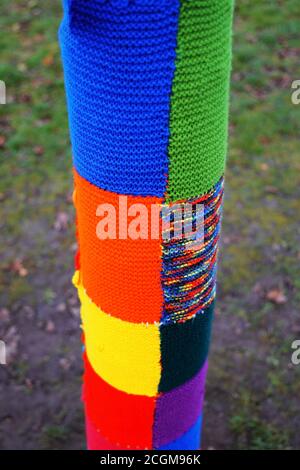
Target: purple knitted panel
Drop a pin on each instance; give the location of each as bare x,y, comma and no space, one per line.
176,411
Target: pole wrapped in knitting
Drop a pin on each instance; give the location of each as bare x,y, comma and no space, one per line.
147,92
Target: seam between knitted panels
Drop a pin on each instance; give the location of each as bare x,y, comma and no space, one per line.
179,264
155,418
125,418
96,257
168,194
140,355
165,196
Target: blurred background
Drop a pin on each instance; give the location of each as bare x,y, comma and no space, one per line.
252,399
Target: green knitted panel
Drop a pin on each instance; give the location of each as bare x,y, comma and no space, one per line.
199,101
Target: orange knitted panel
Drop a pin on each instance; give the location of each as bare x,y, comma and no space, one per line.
121,276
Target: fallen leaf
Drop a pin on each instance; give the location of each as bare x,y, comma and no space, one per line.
48,60
271,189
50,326
19,268
61,222
264,166
38,38
75,312
265,140
38,150
25,98
257,288
4,315
29,312
61,307
64,363
276,296
28,383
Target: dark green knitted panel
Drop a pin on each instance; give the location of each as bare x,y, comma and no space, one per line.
184,349
199,101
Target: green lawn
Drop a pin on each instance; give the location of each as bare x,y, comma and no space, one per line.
253,389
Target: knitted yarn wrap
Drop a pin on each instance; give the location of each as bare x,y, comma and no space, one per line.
147,94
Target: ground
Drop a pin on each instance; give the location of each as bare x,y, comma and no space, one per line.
252,399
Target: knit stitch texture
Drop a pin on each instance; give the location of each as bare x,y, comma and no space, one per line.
119,63
147,95
199,103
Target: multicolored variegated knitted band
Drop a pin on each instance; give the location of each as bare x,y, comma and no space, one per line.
147,92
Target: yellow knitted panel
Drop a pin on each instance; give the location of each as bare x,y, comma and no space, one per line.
124,354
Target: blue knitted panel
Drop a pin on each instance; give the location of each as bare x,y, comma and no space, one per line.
188,441
119,61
